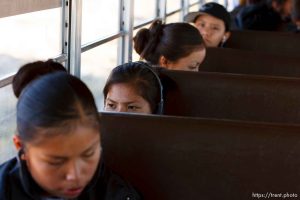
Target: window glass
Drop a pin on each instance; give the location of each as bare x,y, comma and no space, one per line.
232,4
194,1
143,11
29,37
173,5
173,18
7,123
96,65
222,2
207,1
194,8
100,18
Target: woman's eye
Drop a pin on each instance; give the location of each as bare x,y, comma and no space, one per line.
56,163
89,154
133,107
192,67
110,105
202,24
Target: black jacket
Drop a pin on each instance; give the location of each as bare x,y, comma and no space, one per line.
17,184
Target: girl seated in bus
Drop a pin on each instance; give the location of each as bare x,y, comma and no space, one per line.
133,87
59,146
175,46
213,22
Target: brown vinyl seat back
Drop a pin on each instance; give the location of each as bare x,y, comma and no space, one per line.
231,96
241,61
169,158
265,41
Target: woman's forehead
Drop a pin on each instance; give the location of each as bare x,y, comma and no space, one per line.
210,19
61,139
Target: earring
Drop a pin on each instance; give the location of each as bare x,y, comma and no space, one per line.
22,154
224,39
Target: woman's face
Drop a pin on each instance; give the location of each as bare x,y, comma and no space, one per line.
188,63
64,164
123,97
212,30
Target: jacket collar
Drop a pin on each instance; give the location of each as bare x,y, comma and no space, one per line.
32,189
28,184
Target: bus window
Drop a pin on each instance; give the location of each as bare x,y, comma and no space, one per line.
29,37
173,5
96,65
7,122
141,14
99,19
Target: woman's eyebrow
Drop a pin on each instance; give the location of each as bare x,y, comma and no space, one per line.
127,102
110,100
57,157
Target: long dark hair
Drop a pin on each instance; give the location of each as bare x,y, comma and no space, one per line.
141,78
56,101
173,41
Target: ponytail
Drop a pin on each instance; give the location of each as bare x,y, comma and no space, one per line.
146,41
141,39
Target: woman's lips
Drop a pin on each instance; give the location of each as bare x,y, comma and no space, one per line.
73,192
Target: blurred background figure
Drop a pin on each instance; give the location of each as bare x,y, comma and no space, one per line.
267,15
296,15
242,4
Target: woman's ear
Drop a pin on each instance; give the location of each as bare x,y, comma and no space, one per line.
17,142
226,36
163,62
19,146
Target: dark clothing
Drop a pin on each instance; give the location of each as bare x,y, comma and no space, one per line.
259,17
17,184
293,28
233,15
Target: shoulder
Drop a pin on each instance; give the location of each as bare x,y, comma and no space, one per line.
7,171
110,186
118,188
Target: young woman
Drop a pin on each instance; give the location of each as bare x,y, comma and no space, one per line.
175,46
213,23
133,87
59,146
